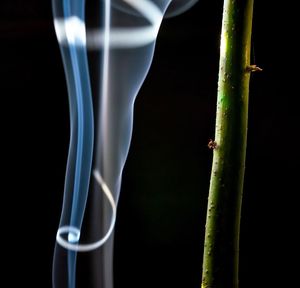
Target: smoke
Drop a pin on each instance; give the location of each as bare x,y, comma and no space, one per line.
106,59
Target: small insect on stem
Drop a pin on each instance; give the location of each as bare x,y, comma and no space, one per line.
212,144
253,68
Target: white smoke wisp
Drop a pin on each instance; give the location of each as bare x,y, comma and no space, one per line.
101,118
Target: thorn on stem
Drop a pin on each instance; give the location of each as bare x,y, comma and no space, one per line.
212,144
253,68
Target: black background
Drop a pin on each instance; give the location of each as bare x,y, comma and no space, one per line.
159,233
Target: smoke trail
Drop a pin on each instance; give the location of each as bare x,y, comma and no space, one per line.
124,44
177,7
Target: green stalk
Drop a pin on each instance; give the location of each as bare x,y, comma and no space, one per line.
221,249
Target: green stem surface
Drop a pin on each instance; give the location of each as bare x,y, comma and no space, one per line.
221,249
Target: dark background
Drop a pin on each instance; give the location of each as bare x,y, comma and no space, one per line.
159,233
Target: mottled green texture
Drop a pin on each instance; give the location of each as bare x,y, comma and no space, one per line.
221,251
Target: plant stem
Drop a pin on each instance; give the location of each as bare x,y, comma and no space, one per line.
221,249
